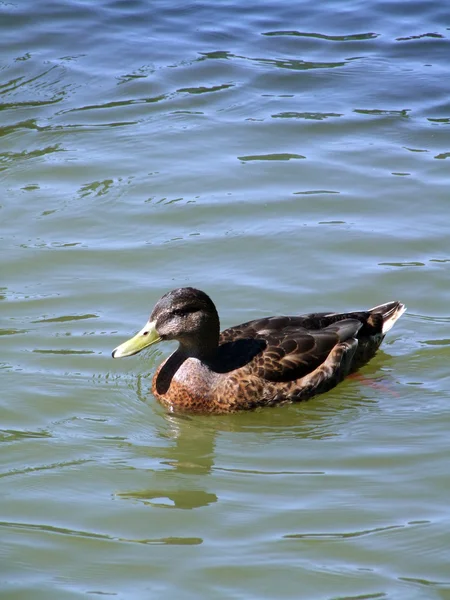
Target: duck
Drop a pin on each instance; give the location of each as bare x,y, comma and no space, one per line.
263,362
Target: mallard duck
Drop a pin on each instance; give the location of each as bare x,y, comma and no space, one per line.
263,362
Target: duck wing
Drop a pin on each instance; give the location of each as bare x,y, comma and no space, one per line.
294,346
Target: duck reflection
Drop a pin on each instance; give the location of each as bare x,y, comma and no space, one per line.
186,463
187,474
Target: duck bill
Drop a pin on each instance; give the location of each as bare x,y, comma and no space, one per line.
144,338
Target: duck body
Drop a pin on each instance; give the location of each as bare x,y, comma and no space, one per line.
263,362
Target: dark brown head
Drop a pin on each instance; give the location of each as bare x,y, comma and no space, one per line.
186,315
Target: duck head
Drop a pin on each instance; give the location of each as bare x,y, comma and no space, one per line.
186,315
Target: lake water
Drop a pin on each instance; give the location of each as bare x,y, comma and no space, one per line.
284,157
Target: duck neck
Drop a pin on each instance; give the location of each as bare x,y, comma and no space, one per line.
203,347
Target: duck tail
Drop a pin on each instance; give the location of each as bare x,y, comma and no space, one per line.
390,312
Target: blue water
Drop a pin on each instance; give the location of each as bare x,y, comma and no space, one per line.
284,157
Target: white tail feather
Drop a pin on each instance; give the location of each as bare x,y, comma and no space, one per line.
390,314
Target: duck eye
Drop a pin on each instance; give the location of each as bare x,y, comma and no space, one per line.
179,312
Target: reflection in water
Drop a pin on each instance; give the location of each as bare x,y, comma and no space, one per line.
321,36
10,158
172,540
190,455
280,156
315,116
184,499
340,535
64,318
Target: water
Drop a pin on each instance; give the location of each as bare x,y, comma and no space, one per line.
284,157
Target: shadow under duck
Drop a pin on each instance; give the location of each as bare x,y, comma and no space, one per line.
267,361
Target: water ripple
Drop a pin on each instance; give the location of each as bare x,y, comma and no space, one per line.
321,36
341,536
179,541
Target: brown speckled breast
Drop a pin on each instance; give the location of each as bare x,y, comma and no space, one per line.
188,385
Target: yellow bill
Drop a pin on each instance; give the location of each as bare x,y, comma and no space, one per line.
144,338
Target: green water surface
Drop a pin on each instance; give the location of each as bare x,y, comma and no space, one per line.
284,157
